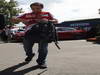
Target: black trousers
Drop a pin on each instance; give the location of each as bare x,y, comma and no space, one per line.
3,36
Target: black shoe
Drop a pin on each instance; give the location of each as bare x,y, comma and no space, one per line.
43,66
29,58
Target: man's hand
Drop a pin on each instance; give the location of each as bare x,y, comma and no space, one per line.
17,20
41,20
54,21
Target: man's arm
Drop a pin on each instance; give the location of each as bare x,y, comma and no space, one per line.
52,19
17,20
55,21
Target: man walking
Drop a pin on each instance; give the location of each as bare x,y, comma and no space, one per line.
30,19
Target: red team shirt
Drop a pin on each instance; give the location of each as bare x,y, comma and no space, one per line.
30,17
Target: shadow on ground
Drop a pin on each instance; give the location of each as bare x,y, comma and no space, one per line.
11,70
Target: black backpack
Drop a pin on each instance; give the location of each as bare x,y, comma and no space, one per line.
42,31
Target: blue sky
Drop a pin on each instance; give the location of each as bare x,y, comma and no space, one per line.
65,10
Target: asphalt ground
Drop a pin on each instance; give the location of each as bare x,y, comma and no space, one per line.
76,57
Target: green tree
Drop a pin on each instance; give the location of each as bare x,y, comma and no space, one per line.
9,9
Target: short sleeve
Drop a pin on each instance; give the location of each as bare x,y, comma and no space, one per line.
50,16
22,16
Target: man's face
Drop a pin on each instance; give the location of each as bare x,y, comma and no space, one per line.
36,9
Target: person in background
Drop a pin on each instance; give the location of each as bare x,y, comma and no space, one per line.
3,36
8,32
